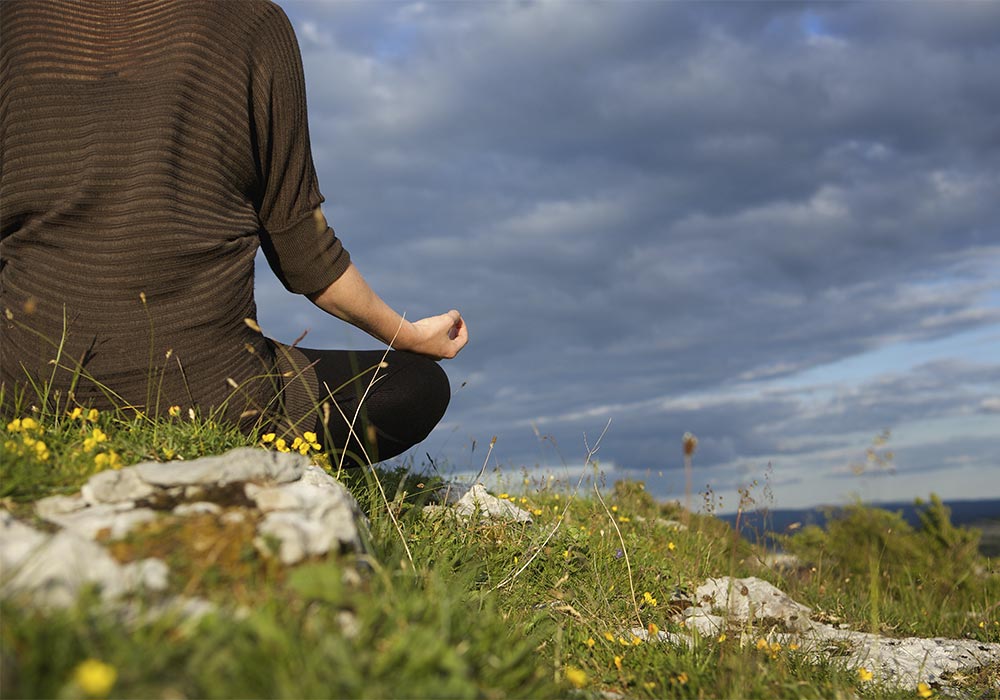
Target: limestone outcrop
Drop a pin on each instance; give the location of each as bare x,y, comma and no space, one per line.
296,504
727,604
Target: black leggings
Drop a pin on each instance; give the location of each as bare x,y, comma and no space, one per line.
398,410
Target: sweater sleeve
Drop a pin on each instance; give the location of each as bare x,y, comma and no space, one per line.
300,247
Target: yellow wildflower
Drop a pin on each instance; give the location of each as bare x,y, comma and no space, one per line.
610,637
722,638
924,690
614,509
590,642
576,677
864,675
267,437
281,446
108,460
174,411
623,519
653,629
95,678
636,641
97,436
618,663
536,511
761,644
310,437
649,599
671,546
92,415
25,425
41,451
75,414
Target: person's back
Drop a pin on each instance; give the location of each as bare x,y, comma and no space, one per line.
140,166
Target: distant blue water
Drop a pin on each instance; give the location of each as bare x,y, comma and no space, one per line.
755,526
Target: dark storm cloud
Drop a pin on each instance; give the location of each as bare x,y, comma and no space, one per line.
635,203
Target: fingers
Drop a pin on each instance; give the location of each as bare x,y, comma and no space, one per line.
443,336
457,336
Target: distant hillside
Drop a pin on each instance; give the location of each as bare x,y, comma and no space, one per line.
984,515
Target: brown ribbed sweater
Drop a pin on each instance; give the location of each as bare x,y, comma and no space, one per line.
147,148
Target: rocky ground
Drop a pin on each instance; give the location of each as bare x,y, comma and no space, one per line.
295,511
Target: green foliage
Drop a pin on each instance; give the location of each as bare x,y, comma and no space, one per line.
897,578
471,609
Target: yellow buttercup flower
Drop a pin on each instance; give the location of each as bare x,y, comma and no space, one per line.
108,460
25,425
864,675
95,678
97,436
590,642
671,546
924,690
310,437
576,677
41,451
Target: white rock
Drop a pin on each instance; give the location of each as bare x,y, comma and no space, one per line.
238,465
89,522
198,508
57,570
704,622
309,517
452,493
17,543
59,505
479,502
116,486
661,636
894,662
752,599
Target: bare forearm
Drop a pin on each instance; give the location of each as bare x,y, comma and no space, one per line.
351,299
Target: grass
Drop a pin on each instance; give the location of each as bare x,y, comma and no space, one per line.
437,611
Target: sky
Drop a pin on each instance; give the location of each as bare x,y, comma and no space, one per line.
773,225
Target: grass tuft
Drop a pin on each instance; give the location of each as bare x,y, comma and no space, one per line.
427,615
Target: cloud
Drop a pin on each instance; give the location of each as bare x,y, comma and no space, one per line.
662,213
